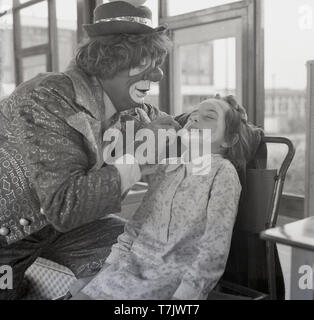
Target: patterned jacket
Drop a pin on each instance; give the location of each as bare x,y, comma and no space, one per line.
51,164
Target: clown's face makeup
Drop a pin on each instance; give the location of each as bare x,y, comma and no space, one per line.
129,88
141,78
139,90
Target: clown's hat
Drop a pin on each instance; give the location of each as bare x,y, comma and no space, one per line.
121,17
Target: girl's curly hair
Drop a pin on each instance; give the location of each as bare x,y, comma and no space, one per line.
105,56
248,137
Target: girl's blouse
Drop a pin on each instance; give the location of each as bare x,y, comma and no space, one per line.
185,222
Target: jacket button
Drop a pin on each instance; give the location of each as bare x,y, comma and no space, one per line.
24,222
4,231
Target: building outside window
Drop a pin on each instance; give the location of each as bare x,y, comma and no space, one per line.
289,34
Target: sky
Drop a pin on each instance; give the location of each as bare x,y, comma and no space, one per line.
289,34
289,42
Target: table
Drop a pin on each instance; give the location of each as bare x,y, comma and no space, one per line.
300,236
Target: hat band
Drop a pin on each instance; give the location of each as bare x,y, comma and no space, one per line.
141,20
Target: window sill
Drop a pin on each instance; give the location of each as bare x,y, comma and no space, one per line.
292,206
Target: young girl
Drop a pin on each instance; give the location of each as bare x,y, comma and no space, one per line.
177,244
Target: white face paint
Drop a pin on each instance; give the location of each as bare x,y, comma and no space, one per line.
139,90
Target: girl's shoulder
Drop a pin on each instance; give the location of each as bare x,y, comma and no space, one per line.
227,170
220,162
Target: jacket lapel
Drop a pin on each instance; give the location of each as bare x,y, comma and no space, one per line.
90,128
89,95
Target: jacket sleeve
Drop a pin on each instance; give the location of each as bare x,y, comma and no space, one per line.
70,195
213,249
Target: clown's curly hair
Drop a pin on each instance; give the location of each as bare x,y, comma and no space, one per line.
105,56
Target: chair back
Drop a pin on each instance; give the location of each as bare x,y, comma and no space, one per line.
252,262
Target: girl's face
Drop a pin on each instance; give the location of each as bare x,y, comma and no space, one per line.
210,114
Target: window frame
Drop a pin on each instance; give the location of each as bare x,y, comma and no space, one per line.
85,15
49,49
309,177
251,12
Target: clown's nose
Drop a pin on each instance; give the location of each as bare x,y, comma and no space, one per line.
156,75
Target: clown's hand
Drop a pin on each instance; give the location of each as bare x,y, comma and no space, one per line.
166,122
151,145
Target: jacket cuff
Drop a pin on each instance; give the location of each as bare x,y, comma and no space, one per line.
116,256
130,172
113,257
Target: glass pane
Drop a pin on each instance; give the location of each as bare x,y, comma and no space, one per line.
34,25
7,76
176,7
288,45
67,31
33,65
207,68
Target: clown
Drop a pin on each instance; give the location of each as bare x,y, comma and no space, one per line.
57,188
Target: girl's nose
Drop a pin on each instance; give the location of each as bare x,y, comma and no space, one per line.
155,75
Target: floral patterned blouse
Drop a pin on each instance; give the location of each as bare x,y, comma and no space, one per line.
177,244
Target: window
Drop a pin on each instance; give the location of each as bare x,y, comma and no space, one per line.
34,25
189,6
67,31
288,46
216,51
206,68
37,36
7,78
33,65
197,64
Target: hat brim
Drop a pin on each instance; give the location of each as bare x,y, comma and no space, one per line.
118,27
